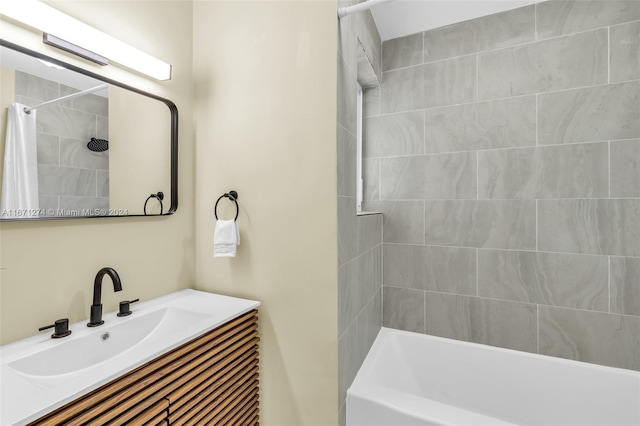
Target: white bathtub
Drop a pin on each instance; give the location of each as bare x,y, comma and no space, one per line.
415,379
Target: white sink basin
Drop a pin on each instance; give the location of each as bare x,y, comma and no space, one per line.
103,343
40,374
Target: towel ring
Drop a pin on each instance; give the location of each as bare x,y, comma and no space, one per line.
159,196
233,196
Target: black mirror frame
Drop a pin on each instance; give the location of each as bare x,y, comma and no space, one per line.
174,134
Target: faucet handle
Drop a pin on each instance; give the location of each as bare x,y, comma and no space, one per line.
61,328
125,308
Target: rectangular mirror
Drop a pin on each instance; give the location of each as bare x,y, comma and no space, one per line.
78,145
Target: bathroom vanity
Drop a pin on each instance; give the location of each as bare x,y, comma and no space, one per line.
187,358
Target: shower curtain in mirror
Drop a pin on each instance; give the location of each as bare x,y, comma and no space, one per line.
20,174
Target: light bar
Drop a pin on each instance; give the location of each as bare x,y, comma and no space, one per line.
49,20
52,40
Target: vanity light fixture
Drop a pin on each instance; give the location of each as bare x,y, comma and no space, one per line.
74,33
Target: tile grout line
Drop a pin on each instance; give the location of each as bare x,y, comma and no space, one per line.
466,151
509,250
593,86
519,302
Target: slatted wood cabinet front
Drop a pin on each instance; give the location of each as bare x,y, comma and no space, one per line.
211,380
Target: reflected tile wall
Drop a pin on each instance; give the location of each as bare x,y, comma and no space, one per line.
518,223
70,176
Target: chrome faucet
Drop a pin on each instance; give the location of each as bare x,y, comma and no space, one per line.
96,308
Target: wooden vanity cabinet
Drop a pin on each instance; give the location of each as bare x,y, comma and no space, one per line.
211,380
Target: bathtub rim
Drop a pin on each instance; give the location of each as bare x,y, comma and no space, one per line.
365,386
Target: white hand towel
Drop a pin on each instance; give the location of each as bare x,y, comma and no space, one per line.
226,238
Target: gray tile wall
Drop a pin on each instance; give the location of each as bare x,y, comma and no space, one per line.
359,237
504,153
71,178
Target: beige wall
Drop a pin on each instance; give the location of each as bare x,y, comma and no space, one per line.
265,108
47,267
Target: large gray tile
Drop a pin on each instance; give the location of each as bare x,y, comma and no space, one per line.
369,232
54,180
446,269
595,337
347,229
346,96
91,103
393,135
358,282
500,323
563,17
423,86
625,285
556,64
102,178
590,226
371,102
346,162
486,33
48,147
403,221
625,169
502,224
36,88
436,176
482,125
403,308
402,52
570,280
566,171
369,324
592,114
66,122
348,364
347,298
371,179
74,153
625,52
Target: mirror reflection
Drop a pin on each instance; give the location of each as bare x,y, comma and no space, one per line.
76,146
